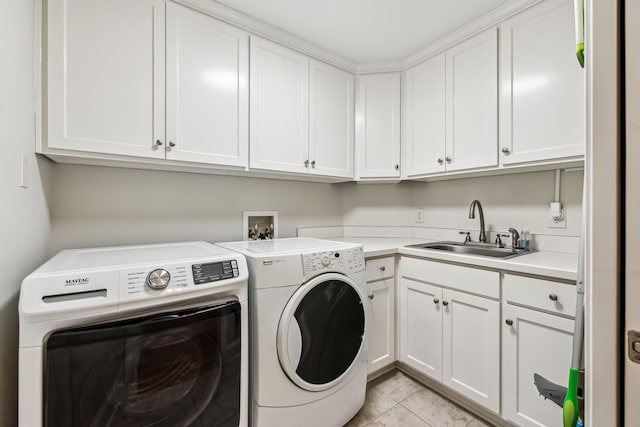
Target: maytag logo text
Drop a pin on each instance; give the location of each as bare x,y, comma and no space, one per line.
73,282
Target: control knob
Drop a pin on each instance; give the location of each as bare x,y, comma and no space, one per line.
325,260
158,279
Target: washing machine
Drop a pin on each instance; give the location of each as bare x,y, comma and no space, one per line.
148,335
308,323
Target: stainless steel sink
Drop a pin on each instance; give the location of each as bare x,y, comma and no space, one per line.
472,249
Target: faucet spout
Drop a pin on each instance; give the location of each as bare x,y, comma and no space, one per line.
482,238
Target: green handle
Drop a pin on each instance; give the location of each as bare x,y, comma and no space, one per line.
570,409
580,53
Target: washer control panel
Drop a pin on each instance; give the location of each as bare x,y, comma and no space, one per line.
343,261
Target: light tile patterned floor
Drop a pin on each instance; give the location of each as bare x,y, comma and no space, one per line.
396,400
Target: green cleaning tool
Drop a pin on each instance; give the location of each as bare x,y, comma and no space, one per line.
570,408
578,10
549,390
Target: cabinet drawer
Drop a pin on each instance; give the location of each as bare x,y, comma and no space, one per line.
545,295
379,268
472,280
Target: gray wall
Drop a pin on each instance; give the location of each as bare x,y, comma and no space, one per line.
378,204
24,217
99,206
519,201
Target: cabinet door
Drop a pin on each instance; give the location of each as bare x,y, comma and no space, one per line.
105,76
471,347
542,86
378,126
207,93
331,98
381,324
424,140
278,105
421,327
472,103
535,343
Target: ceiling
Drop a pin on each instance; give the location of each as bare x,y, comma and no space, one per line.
367,30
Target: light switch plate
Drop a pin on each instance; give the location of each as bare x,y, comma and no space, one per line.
419,215
24,171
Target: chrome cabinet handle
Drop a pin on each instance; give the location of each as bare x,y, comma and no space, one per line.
436,300
306,163
397,167
553,297
440,161
445,303
313,163
509,322
505,150
371,296
172,144
383,268
448,159
158,142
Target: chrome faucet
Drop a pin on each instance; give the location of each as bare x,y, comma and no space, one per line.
515,236
483,237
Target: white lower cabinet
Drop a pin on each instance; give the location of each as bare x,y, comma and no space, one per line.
421,327
381,325
534,342
451,336
471,347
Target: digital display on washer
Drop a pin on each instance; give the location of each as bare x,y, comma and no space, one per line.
214,271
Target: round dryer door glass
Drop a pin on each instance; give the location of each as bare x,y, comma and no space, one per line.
321,332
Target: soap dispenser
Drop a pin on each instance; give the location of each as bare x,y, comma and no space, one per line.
525,239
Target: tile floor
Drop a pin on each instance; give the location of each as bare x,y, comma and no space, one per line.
396,400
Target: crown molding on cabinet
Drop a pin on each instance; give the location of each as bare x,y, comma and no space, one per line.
380,67
268,31
262,29
475,27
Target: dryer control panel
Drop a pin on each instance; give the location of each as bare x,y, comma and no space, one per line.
345,261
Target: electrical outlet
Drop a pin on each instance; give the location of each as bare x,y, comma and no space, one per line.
419,214
558,222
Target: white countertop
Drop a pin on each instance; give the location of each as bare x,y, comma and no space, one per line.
558,265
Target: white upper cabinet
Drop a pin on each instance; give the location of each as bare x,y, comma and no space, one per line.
331,122
472,103
106,88
424,138
207,93
105,77
542,98
451,109
378,126
301,113
279,108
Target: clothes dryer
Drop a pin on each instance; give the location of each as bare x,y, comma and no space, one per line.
149,335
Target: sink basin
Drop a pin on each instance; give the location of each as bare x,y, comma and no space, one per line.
472,249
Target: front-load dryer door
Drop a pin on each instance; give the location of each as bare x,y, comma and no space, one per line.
321,332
